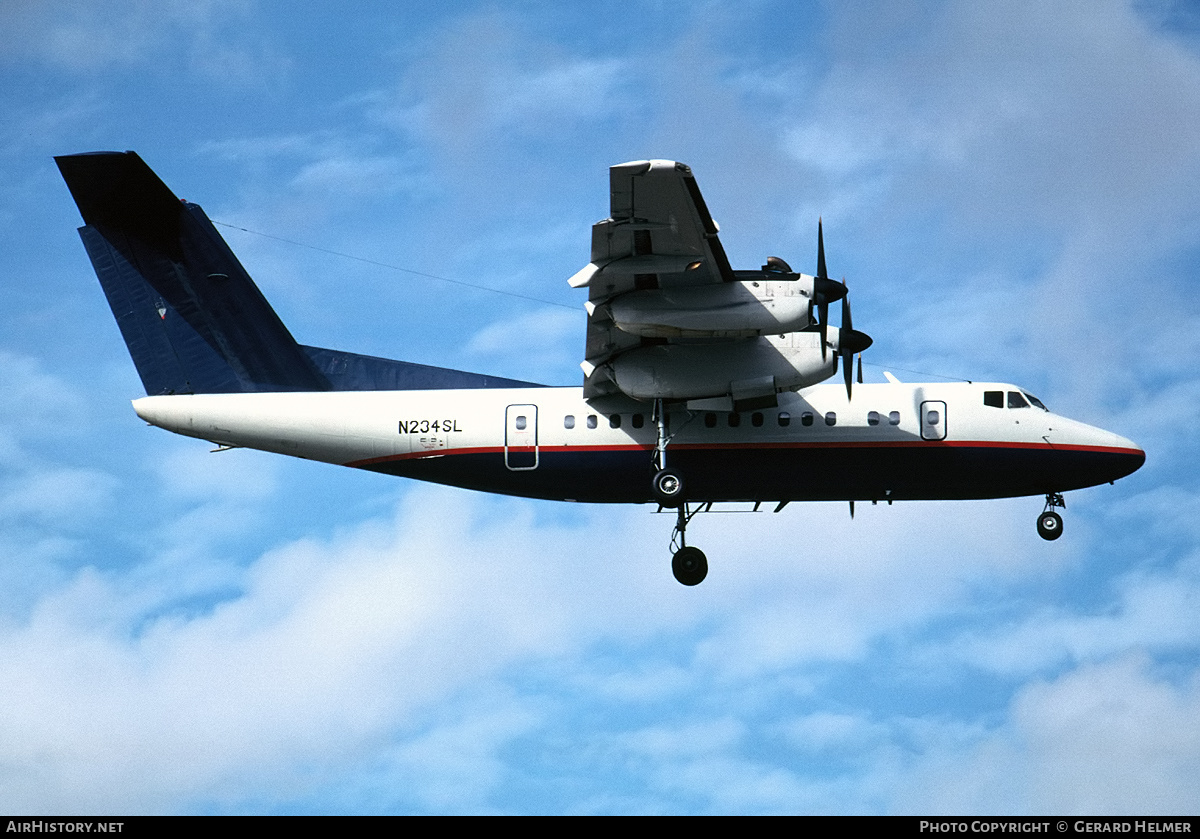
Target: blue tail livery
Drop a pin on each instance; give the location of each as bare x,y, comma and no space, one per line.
192,318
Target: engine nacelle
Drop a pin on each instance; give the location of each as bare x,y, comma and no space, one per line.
739,370
729,310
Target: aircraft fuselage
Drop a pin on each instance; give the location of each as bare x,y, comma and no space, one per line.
892,442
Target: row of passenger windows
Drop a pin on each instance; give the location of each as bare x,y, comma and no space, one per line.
734,419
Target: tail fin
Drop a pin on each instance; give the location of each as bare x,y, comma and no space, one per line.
191,316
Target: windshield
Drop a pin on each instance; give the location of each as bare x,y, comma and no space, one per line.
1035,401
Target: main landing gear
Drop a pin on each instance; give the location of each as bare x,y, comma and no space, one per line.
1050,523
689,564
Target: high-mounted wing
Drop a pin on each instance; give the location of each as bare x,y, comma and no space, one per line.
658,233
668,318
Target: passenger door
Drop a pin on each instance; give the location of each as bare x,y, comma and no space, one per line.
933,420
520,437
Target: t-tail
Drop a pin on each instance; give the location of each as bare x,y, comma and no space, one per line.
192,318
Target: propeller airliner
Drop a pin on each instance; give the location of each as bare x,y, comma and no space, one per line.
701,384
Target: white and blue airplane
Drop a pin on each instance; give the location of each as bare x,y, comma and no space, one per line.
701,383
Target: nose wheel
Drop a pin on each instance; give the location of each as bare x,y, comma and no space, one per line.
1050,523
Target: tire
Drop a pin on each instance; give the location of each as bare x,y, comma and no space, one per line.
668,488
1050,525
690,566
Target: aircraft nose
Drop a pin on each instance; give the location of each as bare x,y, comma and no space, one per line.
1129,456
1101,456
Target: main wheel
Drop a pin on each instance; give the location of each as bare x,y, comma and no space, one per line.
1050,525
690,566
668,488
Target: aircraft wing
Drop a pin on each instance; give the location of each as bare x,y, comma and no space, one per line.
658,234
669,319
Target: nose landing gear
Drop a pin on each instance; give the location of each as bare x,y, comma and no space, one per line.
1050,523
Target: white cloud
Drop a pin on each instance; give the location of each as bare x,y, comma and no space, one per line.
135,695
1113,738
535,347
86,37
1153,611
326,650
508,85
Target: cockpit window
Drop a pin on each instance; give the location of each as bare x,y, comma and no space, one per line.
1016,400
1036,401
993,398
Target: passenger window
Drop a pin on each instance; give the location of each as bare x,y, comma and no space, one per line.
569,421
932,417
591,420
785,419
872,418
806,418
993,398
638,420
710,420
735,419
756,419
894,418
1016,400
831,418
520,423
614,421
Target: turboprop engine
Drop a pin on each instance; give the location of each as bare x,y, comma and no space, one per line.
745,309
751,372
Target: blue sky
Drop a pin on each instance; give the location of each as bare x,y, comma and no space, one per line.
1012,191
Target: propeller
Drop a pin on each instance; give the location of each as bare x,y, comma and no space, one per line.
851,342
825,290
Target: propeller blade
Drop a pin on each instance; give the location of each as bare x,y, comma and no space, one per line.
851,342
846,352
821,253
823,320
847,370
825,290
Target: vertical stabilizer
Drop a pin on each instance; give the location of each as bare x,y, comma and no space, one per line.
192,318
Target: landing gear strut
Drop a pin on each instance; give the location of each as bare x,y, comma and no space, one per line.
689,564
1050,523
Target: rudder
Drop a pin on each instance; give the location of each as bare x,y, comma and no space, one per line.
192,318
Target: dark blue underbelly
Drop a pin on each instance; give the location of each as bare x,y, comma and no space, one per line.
835,473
